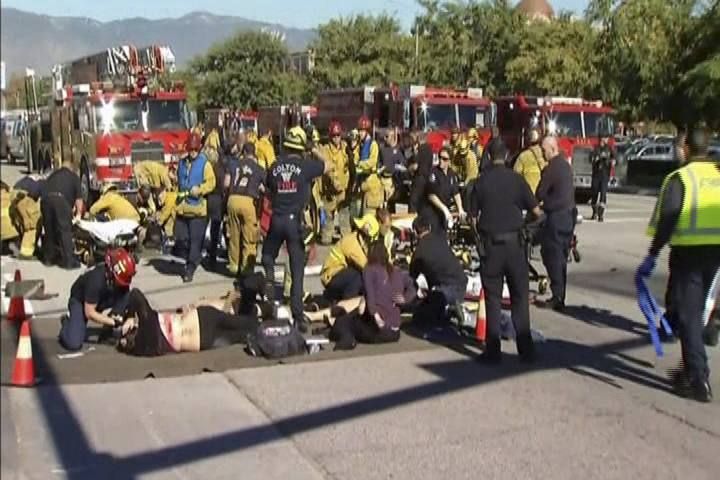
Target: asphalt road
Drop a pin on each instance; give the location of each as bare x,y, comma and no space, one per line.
597,403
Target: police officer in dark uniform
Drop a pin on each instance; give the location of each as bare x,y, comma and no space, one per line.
289,183
603,158
556,193
501,195
442,190
61,199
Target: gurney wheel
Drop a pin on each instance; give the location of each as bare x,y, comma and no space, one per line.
543,285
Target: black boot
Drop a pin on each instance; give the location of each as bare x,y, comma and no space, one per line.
492,355
526,348
601,213
701,391
595,212
188,275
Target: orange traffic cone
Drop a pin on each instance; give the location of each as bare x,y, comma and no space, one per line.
23,374
16,308
480,319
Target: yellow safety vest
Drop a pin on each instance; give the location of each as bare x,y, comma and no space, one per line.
699,221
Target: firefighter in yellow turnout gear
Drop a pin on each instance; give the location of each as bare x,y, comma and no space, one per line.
333,187
367,180
264,150
25,213
531,162
114,206
153,174
341,274
465,162
7,229
246,184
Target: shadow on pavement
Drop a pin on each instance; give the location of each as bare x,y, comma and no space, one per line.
80,461
167,267
601,317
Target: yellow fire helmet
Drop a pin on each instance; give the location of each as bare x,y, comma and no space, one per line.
368,224
296,139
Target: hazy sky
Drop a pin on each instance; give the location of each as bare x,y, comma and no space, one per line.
292,13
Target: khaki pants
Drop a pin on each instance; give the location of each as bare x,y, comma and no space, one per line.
243,232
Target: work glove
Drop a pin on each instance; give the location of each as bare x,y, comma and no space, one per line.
647,266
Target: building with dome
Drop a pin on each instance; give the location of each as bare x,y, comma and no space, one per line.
536,10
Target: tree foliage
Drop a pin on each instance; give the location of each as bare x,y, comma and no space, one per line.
361,50
655,60
246,71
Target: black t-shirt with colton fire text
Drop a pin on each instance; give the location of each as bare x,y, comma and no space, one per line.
290,181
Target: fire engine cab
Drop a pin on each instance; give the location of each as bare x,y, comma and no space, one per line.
577,123
108,112
413,107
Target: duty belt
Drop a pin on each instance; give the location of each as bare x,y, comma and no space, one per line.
501,238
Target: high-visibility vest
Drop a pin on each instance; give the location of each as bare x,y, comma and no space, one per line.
699,221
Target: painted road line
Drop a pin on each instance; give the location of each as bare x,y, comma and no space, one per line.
624,220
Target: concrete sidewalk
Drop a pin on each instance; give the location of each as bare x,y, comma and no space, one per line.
420,415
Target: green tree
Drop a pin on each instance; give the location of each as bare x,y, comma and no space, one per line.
555,58
246,71
361,50
468,44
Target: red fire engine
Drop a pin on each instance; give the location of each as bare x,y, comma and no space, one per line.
108,114
413,107
577,123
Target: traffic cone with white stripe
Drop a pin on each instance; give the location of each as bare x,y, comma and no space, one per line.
23,374
480,319
16,308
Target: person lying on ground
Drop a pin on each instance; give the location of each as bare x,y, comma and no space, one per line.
148,332
96,291
377,319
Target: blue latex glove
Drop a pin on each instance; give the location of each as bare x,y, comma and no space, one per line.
647,266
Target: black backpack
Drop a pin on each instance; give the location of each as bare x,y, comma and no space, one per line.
276,339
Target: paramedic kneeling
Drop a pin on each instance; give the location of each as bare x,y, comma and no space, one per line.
104,287
501,195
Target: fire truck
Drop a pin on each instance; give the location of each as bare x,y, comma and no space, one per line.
577,123
109,112
279,119
413,107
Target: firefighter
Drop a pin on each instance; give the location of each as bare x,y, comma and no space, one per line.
211,146
167,210
60,202
264,150
25,213
465,163
289,183
603,159
687,215
7,229
113,206
455,137
371,193
105,287
196,180
246,185
531,161
334,187
153,174
341,274
475,144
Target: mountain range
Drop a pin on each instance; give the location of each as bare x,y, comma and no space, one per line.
41,41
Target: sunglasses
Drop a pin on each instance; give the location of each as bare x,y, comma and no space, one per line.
444,158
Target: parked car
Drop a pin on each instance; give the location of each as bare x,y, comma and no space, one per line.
648,165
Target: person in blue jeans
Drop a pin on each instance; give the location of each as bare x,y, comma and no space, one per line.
105,287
